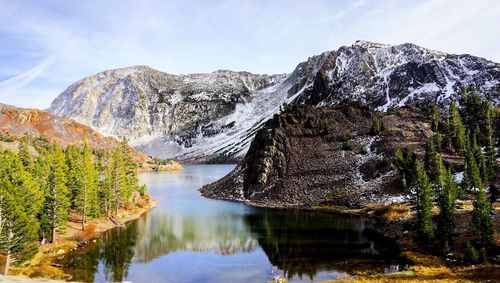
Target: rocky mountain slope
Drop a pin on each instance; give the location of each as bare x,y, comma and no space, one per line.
213,117
309,156
16,122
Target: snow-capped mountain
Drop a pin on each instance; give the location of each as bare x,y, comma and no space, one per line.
385,76
212,117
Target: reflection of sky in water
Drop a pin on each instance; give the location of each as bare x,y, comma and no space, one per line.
187,238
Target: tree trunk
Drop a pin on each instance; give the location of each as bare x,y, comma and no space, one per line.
84,217
53,225
53,229
1,219
7,259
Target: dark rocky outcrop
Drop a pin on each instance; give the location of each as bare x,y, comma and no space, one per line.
312,156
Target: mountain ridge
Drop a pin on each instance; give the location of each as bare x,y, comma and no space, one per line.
212,117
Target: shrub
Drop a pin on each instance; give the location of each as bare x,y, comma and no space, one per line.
471,254
363,151
348,145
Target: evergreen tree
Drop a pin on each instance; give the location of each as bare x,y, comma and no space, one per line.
445,130
456,128
478,155
423,202
130,166
24,154
405,163
106,191
435,117
57,200
491,153
87,199
447,204
40,174
481,217
378,125
119,182
432,160
20,199
74,173
472,176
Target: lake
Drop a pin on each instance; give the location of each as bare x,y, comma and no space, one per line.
187,238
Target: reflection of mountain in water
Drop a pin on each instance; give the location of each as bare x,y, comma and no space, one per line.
162,234
304,243
298,243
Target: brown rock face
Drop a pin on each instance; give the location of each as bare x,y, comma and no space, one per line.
19,121
311,156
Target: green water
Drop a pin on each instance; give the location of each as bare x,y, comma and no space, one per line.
188,238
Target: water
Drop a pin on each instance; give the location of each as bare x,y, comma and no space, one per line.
188,238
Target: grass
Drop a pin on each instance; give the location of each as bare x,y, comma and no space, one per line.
391,212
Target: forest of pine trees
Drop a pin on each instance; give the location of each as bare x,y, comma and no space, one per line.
38,193
465,132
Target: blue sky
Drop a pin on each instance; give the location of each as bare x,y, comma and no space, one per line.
47,45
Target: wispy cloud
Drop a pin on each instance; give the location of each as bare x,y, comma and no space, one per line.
14,85
47,45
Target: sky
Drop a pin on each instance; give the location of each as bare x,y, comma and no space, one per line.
46,45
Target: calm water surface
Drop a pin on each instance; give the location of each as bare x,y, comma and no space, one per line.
188,238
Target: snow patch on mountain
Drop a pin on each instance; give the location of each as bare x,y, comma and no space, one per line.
214,116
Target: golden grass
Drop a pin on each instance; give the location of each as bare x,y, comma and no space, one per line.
391,212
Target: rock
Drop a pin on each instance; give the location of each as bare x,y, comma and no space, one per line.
60,252
180,117
298,158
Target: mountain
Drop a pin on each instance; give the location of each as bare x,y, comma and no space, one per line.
16,122
213,117
309,156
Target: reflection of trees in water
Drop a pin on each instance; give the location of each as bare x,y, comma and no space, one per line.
303,243
162,234
155,235
299,243
114,251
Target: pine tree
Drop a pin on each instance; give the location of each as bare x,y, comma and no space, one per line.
478,155
24,154
57,202
405,162
481,217
119,189
472,176
40,174
132,180
491,153
378,125
445,130
435,117
424,202
432,160
87,199
106,189
456,128
20,199
74,174
447,204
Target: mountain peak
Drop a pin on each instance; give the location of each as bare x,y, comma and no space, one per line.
199,117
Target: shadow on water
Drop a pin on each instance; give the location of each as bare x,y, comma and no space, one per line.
191,239
305,243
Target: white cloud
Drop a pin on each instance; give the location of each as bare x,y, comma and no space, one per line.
13,86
